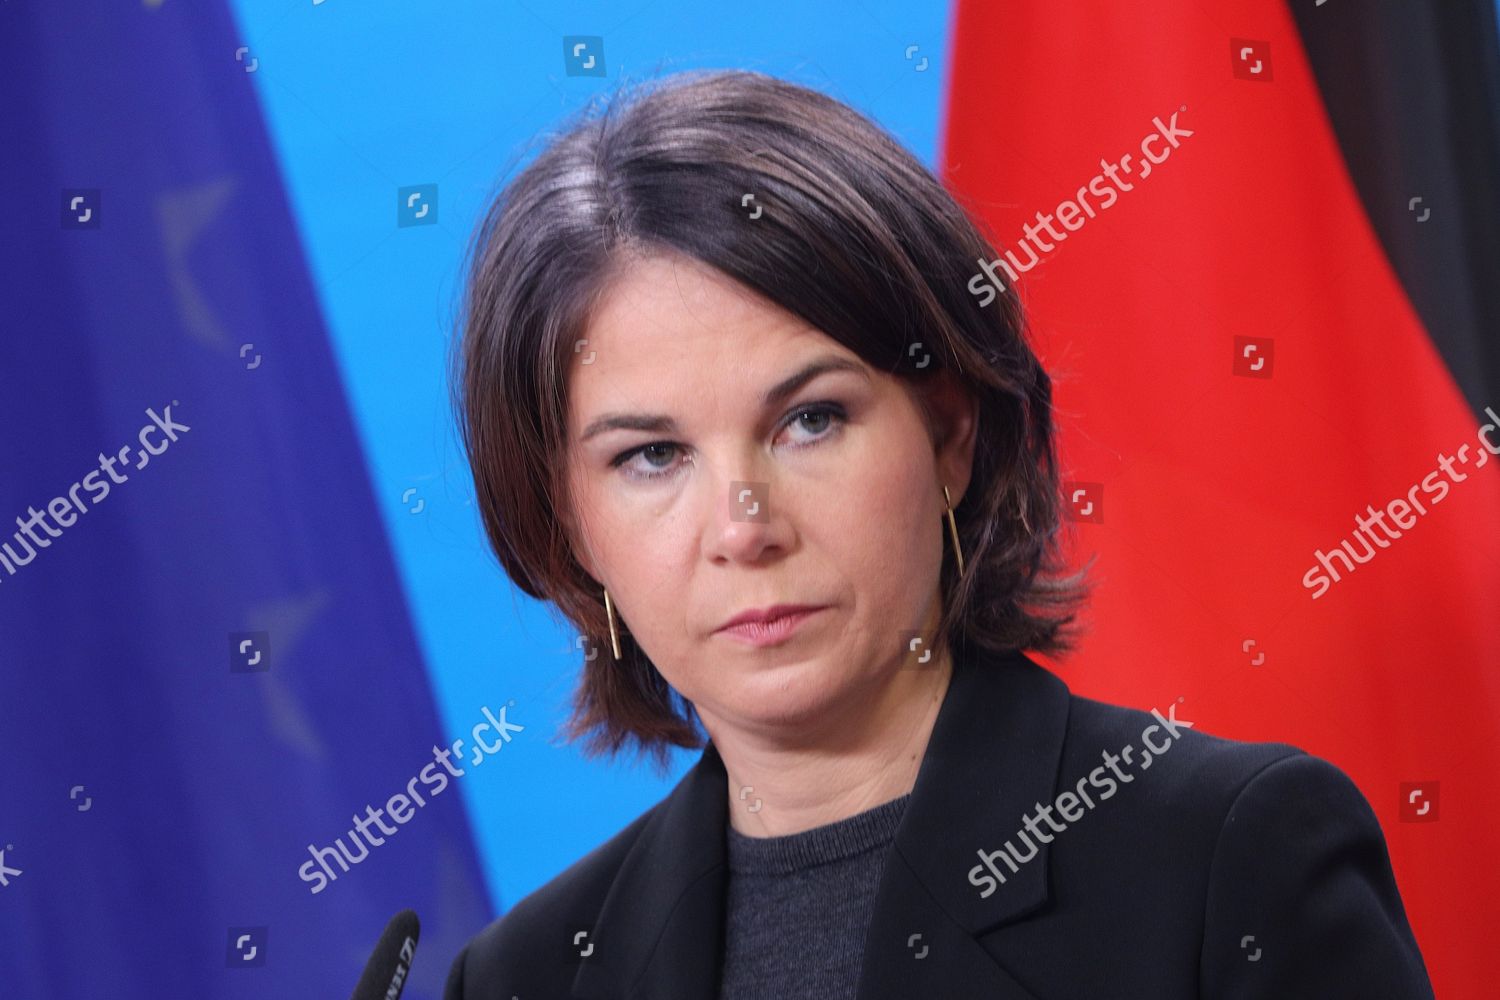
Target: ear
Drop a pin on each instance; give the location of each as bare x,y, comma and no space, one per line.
953,419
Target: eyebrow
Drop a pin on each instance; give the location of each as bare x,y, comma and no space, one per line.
658,424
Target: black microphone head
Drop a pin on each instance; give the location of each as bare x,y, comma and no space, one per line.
390,963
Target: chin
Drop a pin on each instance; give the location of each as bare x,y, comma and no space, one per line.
787,691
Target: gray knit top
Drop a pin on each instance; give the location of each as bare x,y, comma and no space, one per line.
798,907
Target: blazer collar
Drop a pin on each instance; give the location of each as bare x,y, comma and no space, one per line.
994,753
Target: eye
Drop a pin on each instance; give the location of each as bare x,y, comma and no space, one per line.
650,451
820,420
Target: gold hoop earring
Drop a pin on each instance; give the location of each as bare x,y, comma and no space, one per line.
958,551
614,636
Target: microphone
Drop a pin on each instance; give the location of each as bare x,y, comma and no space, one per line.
386,971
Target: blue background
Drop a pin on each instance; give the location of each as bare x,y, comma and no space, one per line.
360,102
246,159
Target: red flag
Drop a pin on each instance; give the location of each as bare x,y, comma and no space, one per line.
1239,377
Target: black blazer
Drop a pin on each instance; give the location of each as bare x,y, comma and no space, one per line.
1219,869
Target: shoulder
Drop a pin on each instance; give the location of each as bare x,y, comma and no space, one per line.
1174,799
1188,768
1273,855
1205,786
531,945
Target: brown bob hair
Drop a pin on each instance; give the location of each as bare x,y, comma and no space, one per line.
846,230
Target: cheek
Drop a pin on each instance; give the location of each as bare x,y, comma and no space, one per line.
647,552
883,514
613,535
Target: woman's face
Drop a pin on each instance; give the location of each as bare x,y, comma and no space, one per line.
672,418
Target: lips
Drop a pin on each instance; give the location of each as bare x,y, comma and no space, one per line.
764,628
762,616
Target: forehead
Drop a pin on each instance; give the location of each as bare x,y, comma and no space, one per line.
669,324
661,301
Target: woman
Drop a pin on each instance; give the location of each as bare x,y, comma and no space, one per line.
731,407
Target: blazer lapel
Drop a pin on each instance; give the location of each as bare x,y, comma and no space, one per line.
659,934
994,752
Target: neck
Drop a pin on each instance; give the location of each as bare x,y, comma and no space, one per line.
811,783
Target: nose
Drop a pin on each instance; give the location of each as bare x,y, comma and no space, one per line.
744,523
